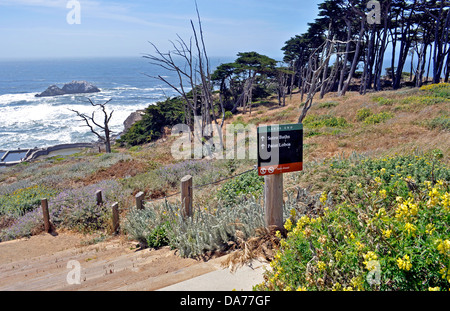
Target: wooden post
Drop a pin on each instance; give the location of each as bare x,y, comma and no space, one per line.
140,200
99,197
46,215
186,196
273,199
115,217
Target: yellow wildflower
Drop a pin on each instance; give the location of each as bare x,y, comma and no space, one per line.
434,289
323,198
444,247
445,274
430,229
386,233
304,220
434,197
368,257
278,234
321,265
337,287
410,228
406,209
446,201
383,193
301,289
404,263
288,224
383,170
338,255
359,245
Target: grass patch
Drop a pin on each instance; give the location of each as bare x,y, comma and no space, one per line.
382,101
330,104
378,118
314,121
439,123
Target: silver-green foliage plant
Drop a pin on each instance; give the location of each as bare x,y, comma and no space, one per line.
208,229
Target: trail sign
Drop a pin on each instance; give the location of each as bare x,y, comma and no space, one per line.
280,149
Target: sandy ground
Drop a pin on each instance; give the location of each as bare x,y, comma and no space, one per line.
46,262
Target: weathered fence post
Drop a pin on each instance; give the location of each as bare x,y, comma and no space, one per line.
273,199
115,217
186,196
140,200
46,215
99,197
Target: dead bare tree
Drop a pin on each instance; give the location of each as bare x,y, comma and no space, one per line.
92,123
189,61
313,82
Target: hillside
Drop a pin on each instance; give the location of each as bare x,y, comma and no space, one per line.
390,126
374,125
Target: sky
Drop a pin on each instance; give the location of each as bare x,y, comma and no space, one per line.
32,29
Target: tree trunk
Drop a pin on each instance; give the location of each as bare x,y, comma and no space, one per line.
347,51
356,57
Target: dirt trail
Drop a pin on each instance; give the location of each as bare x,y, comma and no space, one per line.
41,263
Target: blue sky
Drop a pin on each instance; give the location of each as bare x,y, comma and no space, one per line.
39,28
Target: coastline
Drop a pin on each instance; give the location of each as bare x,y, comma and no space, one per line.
30,154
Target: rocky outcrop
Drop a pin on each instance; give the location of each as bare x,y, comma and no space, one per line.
132,118
74,87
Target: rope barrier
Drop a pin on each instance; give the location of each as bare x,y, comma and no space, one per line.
70,200
204,185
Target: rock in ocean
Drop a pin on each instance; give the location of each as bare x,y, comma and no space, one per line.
74,87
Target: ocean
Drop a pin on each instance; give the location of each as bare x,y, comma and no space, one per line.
27,121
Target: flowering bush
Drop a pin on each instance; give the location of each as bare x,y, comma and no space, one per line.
74,209
23,200
392,232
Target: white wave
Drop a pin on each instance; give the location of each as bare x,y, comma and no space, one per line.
7,99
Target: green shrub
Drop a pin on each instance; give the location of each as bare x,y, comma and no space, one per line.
156,117
438,90
378,118
328,105
424,100
158,237
363,114
244,185
228,115
314,121
382,101
147,226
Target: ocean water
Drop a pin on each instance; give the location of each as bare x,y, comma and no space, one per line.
27,121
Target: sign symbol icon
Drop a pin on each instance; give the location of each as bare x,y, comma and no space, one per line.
271,170
262,146
263,171
262,138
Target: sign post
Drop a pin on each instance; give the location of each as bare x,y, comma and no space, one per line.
280,150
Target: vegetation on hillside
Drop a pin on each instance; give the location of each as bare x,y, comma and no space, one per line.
370,210
387,228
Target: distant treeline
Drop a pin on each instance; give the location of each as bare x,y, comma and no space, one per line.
413,30
341,39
